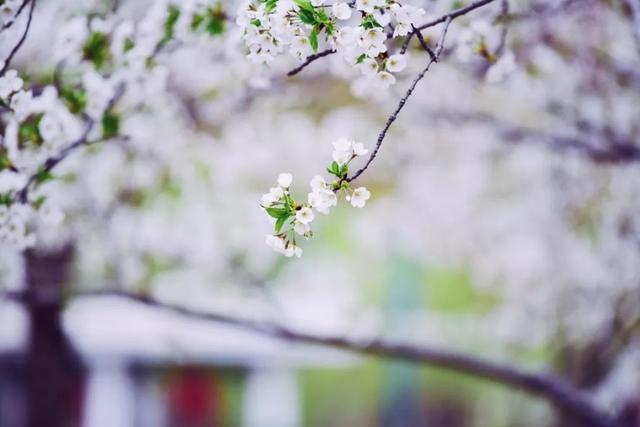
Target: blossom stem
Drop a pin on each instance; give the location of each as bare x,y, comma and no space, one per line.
403,101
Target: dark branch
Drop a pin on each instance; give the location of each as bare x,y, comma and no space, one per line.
403,101
309,60
612,149
452,15
20,9
548,386
18,45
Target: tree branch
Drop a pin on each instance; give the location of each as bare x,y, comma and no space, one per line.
403,101
614,150
20,9
16,48
309,60
452,15
550,387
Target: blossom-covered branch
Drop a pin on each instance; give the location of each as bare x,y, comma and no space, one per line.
555,389
392,118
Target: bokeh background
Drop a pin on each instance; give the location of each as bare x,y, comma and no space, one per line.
504,223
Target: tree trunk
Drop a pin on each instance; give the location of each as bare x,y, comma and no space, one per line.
54,371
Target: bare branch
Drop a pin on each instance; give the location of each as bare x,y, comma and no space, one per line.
548,386
18,45
309,60
452,15
613,149
403,101
20,9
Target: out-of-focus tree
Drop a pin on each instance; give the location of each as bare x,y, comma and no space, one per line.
496,138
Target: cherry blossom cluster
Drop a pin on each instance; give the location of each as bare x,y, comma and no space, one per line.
293,218
361,32
97,59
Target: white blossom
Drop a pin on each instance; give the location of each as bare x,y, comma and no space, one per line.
359,197
396,63
341,10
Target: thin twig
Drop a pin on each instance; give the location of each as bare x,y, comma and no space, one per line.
15,49
309,60
10,23
423,43
548,386
403,101
452,15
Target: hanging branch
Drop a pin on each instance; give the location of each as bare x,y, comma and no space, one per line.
18,45
403,101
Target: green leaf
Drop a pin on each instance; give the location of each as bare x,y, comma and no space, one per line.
43,175
127,45
110,125
37,204
29,134
369,22
6,199
280,222
307,16
277,212
215,25
5,163
196,21
96,49
256,22
313,39
305,5
170,24
270,5
74,99
361,58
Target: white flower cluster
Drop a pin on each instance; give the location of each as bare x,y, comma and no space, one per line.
293,218
103,55
359,31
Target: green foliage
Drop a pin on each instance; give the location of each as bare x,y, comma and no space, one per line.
313,39
74,99
173,13
269,5
316,17
29,134
96,49
369,22
43,175
110,125
37,204
128,44
337,170
5,163
212,21
5,199
280,222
